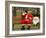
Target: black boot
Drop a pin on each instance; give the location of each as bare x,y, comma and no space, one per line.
23,28
28,28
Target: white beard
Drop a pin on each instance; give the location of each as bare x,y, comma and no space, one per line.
26,17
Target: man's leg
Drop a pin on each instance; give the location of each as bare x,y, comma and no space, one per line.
29,26
23,28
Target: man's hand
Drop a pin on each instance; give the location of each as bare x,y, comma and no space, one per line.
23,14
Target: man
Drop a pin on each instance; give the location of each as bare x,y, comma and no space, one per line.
27,18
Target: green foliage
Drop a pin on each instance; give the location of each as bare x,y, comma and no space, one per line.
19,26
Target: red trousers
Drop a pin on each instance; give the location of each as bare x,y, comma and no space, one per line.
25,21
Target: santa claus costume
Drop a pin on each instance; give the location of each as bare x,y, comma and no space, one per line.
27,18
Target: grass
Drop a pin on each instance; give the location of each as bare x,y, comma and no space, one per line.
19,26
